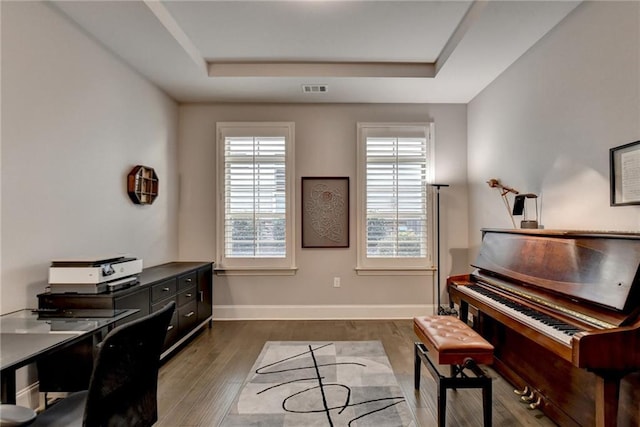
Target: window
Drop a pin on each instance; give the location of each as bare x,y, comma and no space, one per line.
255,196
394,226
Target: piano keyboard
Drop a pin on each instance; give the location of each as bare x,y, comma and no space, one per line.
537,320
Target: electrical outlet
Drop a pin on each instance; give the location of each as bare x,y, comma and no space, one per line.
336,282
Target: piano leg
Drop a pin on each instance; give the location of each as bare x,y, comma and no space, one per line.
607,398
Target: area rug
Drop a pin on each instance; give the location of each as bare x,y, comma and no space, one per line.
304,384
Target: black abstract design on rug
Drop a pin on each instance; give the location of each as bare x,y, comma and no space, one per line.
280,367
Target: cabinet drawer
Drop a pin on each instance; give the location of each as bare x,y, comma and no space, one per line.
163,290
172,329
139,300
75,301
157,306
187,280
185,297
187,317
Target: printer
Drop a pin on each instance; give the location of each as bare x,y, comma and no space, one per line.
93,276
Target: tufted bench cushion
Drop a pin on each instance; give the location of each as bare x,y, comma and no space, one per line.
452,341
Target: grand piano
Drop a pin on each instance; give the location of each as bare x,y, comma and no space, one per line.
562,309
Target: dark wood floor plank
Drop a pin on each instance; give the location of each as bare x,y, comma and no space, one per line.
198,385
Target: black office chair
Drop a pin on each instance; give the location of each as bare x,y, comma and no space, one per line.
124,382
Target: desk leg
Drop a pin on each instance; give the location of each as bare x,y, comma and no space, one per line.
8,392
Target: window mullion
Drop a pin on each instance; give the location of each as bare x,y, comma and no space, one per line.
255,207
397,195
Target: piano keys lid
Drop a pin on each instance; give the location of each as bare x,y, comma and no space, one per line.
598,268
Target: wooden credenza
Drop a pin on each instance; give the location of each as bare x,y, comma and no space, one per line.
189,284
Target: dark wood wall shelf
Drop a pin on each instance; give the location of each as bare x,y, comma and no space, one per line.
142,185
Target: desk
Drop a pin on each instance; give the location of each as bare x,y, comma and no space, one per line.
26,336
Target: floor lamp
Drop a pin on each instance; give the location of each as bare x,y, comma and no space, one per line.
441,310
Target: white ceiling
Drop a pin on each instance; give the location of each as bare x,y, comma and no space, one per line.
365,51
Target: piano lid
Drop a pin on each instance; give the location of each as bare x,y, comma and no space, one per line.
597,267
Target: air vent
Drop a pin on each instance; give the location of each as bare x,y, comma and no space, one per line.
315,88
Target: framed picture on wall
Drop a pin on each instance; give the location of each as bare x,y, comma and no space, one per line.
624,170
325,212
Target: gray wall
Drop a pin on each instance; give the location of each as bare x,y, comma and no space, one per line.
75,120
325,146
547,123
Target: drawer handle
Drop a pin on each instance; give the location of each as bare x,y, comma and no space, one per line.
191,313
201,295
188,295
170,327
165,289
188,280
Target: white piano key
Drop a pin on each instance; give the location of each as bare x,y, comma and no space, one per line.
539,326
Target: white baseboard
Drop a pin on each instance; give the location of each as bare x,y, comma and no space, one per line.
320,312
29,396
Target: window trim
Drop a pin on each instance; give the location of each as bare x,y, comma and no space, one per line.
256,265
391,265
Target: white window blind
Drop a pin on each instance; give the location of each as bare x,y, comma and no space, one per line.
396,197
394,166
255,225
255,205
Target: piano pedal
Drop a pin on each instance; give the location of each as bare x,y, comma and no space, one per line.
522,392
536,404
529,397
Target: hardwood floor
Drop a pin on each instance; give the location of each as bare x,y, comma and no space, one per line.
199,383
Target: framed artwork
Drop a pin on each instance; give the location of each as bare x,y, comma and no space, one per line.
325,212
624,170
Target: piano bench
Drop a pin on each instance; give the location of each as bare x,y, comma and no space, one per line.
453,342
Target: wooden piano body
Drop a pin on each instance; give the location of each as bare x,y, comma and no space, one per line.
562,309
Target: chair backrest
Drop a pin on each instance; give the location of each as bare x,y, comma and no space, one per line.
124,382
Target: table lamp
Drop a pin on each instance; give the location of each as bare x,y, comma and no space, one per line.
520,208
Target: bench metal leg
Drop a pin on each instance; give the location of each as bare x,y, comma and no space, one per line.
458,379
486,403
442,405
416,368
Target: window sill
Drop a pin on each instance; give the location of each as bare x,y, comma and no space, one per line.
259,271
401,271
